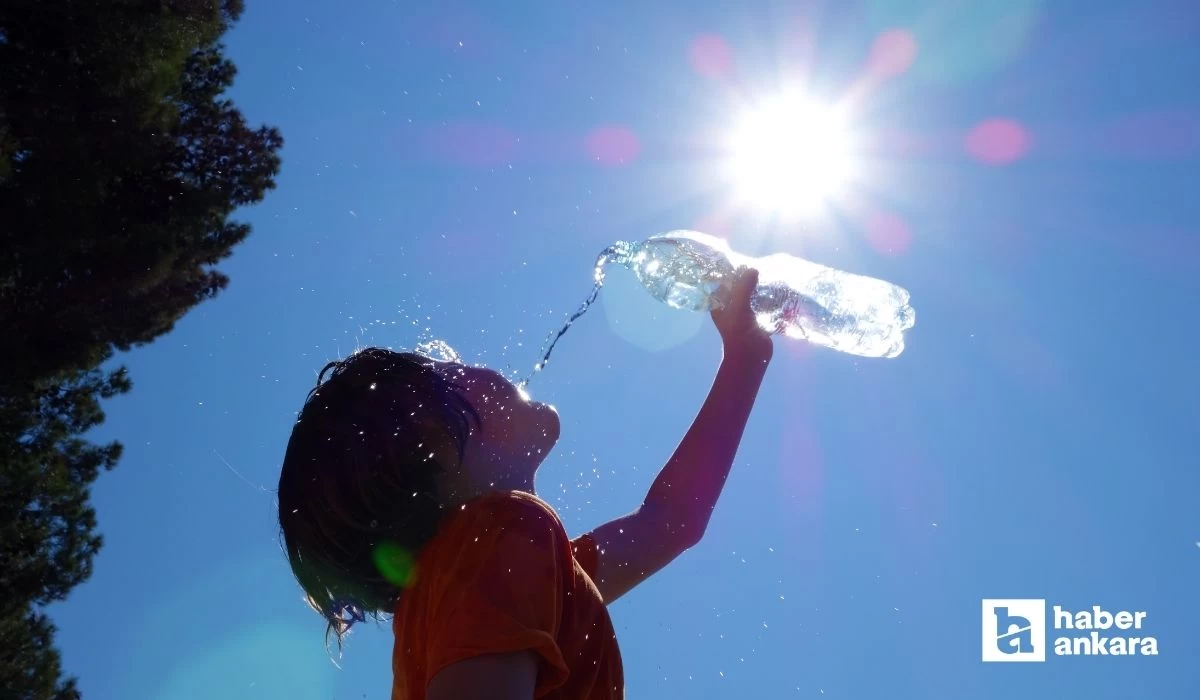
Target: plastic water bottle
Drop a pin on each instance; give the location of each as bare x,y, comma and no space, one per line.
795,297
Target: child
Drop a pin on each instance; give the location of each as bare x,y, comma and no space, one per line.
407,488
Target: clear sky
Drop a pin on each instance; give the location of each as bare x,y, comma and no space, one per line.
1027,171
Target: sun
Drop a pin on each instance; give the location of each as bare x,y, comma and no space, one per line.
789,156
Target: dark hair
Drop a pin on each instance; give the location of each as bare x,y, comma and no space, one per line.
357,497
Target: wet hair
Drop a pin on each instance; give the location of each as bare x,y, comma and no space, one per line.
357,497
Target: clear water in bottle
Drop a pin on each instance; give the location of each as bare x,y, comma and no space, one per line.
795,297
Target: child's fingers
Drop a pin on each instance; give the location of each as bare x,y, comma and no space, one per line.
746,282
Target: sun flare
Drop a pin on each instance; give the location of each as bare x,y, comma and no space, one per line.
789,156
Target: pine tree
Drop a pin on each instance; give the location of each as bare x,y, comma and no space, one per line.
121,163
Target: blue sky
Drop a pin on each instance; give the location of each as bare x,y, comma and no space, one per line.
452,169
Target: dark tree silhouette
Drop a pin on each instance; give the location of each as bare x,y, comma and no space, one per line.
120,165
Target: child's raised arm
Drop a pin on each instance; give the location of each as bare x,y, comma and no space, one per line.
677,508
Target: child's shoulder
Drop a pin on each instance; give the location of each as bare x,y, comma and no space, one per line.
499,526
515,510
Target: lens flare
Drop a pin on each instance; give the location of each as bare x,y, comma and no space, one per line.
396,564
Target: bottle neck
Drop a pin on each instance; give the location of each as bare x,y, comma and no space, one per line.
621,253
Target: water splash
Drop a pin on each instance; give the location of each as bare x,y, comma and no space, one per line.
619,253
438,350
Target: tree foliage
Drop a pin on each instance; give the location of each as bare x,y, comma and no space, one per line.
121,163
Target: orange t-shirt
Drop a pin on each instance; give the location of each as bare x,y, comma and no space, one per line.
501,575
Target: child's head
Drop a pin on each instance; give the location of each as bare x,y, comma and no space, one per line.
386,444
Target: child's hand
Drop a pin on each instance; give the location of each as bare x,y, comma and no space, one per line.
739,330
